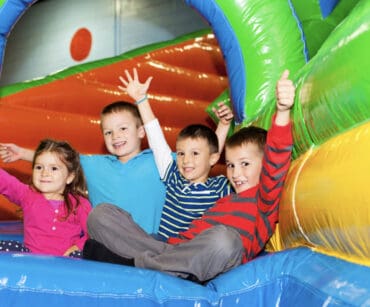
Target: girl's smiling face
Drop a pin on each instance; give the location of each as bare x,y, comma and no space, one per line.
50,175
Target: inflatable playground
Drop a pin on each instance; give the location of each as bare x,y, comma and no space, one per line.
320,253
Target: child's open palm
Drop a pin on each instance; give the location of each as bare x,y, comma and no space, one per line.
10,152
132,85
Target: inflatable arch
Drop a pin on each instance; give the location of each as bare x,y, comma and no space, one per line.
322,250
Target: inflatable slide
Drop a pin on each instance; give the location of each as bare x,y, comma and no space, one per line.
320,255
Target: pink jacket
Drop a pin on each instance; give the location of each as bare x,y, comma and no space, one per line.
45,230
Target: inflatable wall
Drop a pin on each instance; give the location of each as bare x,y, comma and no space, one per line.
320,256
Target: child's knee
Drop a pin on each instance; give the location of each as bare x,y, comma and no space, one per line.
227,240
96,218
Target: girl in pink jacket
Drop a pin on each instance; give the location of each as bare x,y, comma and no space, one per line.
55,207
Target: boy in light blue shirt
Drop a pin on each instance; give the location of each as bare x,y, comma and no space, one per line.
128,177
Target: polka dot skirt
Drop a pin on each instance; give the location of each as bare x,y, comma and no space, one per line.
16,246
12,246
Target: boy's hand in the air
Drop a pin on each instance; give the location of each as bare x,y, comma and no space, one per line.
223,113
285,92
132,85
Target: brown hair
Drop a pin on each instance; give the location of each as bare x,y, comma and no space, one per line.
200,131
246,135
120,106
71,159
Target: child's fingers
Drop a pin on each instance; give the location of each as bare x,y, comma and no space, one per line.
286,99
223,112
148,81
128,76
285,75
6,147
124,82
222,108
135,74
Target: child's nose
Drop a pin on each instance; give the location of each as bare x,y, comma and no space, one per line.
236,172
115,135
186,159
45,172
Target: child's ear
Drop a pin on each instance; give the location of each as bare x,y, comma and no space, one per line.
70,178
214,158
141,132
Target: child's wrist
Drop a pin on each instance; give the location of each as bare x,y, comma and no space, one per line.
142,99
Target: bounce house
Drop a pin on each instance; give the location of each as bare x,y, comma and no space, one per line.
320,253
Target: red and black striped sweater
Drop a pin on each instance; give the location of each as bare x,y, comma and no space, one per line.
254,212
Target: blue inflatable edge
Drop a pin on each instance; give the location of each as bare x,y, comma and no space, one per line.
228,42
10,12
232,52
327,6
295,277
300,28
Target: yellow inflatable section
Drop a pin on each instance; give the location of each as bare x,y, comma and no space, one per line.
326,202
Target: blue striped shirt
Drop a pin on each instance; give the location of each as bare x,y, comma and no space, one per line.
187,201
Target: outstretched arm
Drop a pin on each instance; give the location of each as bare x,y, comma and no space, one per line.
157,142
278,147
285,93
11,152
225,116
275,165
138,92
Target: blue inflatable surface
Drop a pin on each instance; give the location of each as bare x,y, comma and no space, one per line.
296,277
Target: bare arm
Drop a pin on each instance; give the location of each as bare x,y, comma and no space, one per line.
11,152
225,116
156,139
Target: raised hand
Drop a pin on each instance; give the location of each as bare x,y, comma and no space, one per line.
223,113
285,92
10,152
132,85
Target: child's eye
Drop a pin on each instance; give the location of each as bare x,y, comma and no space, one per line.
54,168
38,167
123,128
179,153
195,153
229,165
245,164
107,132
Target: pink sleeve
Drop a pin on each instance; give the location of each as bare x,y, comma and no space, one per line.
83,212
11,188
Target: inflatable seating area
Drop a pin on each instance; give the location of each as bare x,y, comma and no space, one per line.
295,277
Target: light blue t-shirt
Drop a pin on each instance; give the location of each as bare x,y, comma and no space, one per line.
134,186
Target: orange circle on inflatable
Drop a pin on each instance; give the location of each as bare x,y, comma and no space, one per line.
81,44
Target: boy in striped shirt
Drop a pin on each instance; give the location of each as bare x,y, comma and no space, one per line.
189,189
233,231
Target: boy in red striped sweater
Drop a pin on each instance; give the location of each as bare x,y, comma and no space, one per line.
232,232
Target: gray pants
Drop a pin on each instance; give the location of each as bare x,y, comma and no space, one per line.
212,252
